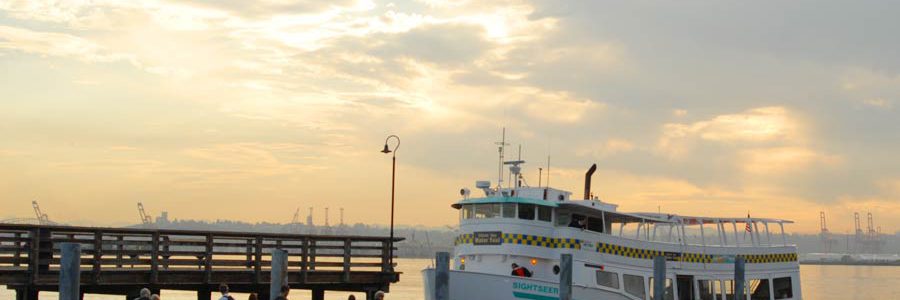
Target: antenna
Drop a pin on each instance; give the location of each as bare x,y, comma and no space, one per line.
502,143
540,176
342,217
548,170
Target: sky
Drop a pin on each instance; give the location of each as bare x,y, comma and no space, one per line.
248,110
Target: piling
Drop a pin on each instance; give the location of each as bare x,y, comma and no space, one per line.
659,277
565,277
442,276
70,271
279,273
739,282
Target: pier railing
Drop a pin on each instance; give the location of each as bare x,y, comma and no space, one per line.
30,255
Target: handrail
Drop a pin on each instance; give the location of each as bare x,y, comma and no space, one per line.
155,251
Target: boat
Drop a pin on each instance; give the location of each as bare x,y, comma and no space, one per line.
511,239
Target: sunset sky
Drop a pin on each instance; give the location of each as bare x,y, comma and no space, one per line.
246,111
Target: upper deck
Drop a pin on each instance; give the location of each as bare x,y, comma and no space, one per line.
520,207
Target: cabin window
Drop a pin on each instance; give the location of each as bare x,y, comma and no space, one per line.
608,279
728,289
509,210
545,213
468,211
526,211
783,288
595,224
485,211
709,289
562,219
670,291
634,285
759,289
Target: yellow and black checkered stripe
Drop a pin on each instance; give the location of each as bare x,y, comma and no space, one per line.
694,258
467,238
770,258
528,240
637,253
541,241
649,254
691,257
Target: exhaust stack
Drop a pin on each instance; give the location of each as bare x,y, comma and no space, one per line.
587,181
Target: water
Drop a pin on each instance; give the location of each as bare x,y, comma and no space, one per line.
819,283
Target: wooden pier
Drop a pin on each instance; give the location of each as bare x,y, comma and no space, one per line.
122,261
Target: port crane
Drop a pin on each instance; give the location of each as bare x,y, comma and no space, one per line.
42,218
146,220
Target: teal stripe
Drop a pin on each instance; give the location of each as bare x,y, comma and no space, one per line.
521,295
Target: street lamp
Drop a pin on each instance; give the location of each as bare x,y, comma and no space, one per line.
387,150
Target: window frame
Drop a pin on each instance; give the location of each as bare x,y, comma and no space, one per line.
520,211
643,287
615,276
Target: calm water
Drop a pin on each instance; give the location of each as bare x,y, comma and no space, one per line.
819,283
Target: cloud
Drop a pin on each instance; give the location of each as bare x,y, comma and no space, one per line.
56,44
607,148
757,125
783,161
873,89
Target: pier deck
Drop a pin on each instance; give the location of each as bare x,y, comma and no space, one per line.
122,261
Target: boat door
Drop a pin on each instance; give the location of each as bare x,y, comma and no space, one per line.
685,285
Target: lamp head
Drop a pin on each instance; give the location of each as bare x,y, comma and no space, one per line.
386,150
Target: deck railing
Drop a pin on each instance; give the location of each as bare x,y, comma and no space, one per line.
199,257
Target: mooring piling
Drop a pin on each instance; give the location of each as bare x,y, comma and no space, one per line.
565,277
739,282
442,276
659,277
70,272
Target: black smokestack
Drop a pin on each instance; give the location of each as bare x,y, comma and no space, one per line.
587,181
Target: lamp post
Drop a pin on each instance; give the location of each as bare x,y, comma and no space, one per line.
387,150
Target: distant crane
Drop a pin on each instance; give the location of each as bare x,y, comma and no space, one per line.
342,217
309,218
42,218
824,235
870,240
326,217
296,218
295,221
146,219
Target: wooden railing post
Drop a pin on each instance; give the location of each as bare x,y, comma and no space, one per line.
120,245
257,261
33,259
18,254
98,255
207,267
154,258
312,255
385,253
249,253
165,251
345,276
304,260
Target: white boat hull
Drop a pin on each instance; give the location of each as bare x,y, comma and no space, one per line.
474,286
